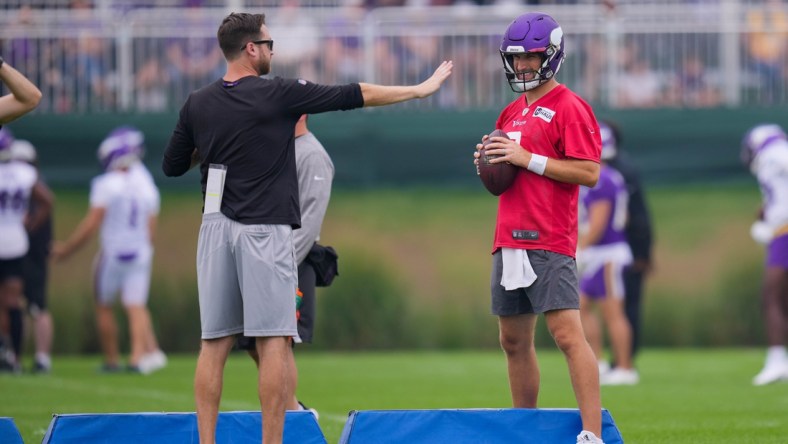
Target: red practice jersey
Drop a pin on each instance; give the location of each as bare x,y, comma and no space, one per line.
538,213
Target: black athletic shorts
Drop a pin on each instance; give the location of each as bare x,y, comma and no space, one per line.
10,268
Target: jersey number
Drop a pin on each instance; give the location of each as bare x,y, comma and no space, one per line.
13,200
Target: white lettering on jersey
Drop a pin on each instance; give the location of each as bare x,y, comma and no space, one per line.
515,135
543,113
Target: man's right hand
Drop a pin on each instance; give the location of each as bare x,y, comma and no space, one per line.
431,85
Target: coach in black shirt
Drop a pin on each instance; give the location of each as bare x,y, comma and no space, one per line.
640,237
245,262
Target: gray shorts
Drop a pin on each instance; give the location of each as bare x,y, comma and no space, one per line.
555,287
246,278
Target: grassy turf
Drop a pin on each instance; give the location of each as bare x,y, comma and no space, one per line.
686,396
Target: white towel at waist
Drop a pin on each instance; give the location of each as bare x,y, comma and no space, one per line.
517,269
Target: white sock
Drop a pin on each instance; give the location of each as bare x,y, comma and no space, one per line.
775,354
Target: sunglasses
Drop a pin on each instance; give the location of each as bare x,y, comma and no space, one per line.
268,42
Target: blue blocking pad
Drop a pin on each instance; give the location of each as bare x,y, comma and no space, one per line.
168,428
9,434
471,426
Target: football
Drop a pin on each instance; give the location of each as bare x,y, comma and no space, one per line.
496,177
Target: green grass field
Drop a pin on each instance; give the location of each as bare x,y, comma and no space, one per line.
686,396
435,244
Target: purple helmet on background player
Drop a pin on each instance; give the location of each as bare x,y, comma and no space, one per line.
6,140
534,32
757,138
122,147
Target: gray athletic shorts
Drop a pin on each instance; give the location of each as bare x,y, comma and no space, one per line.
246,278
555,287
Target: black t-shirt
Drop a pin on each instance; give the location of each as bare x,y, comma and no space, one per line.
249,126
638,231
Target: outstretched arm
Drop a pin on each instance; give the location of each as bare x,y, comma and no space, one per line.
379,95
86,229
24,95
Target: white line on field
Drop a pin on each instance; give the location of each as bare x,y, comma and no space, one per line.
227,404
334,417
70,385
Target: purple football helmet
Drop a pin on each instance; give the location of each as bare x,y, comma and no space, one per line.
122,147
534,32
757,139
6,140
609,136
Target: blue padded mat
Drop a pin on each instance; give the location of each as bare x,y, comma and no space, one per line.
471,426
175,428
9,434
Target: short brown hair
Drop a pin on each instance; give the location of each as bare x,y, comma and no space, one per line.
236,30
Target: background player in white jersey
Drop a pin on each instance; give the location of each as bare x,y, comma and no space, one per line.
603,253
124,205
765,153
18,185
35,267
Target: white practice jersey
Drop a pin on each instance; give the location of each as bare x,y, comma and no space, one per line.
16,183
129,198
771,166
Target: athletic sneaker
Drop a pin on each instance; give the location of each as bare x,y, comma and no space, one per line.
604,367
620,376
772,372
303,407
586,437
8,361
41,367
42,363
151,362
109,368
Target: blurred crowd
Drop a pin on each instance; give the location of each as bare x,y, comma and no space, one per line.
83,63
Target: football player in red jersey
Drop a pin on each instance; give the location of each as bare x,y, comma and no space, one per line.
554,139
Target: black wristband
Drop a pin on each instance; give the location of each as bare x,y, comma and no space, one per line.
1,61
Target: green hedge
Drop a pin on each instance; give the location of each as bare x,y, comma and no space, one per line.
414,272
374,148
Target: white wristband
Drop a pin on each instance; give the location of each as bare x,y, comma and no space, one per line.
537,164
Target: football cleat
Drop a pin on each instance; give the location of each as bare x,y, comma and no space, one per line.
620,376
586,437
771,373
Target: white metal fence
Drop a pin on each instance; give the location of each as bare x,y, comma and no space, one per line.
637,55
